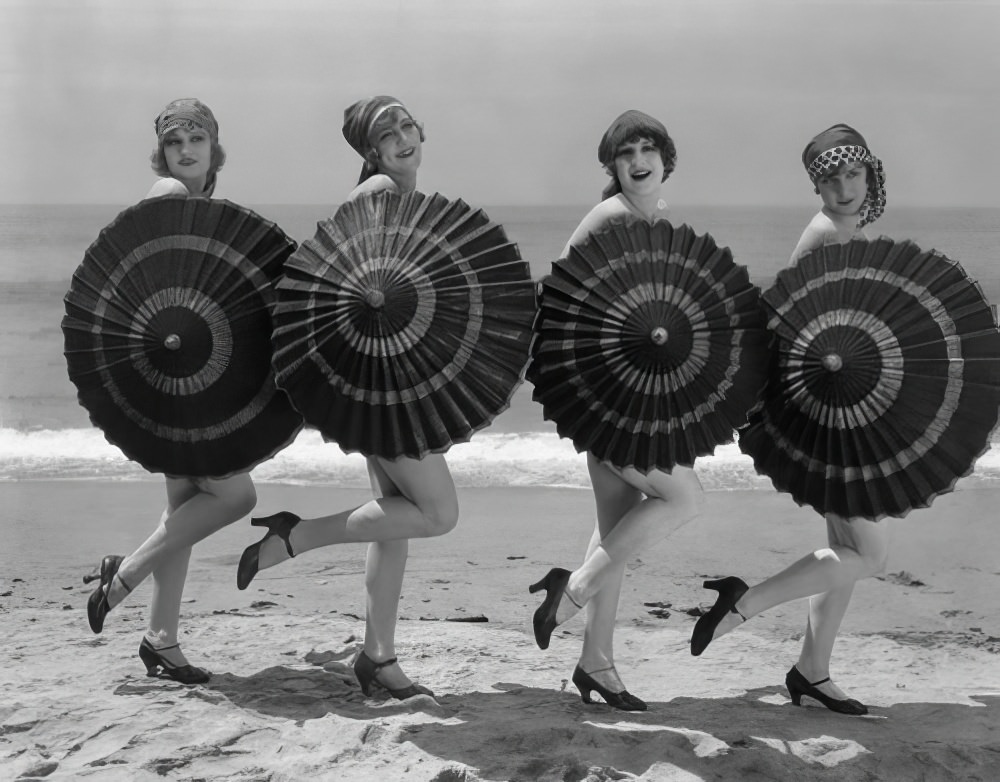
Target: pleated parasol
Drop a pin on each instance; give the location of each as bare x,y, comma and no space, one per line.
404,325
886,379
651,345
167,336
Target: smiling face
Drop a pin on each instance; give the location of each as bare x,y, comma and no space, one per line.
639,168
843,189
395,138
189,156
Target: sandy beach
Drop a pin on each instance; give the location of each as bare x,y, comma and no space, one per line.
919,646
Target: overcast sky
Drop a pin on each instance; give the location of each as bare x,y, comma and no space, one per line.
514,94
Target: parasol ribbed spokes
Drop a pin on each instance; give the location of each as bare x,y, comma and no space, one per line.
651,345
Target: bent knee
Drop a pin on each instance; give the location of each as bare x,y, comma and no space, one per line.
442,517
876,563
240,499
684,501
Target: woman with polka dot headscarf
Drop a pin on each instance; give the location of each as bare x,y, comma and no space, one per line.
851,183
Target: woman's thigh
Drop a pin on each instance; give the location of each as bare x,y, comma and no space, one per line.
426,482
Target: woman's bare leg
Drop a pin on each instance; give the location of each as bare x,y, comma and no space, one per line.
858,549
195,509
385,566
626,524
426,506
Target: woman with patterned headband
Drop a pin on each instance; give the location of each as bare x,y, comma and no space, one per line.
851,183
417,496
634,510
188,154
187,157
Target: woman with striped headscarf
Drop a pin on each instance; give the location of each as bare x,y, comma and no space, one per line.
417,496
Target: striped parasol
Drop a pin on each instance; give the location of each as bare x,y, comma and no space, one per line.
404,325
167,336
651,345
886,379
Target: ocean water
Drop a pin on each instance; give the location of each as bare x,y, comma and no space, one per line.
46,435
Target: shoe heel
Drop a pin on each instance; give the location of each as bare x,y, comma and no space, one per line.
584,693
150,660
544,619
364,672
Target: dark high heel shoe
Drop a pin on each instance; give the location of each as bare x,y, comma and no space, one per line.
97,604
366,670
623,700
544,620
730,590
280,524
155,661
797,686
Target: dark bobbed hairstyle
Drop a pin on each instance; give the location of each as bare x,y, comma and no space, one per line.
186,112
628,128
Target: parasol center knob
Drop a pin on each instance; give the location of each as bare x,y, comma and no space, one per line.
375,299
172,342
832,362
658,335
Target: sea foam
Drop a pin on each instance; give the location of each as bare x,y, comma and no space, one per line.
488,460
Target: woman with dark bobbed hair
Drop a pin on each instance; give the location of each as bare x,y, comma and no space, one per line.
634,510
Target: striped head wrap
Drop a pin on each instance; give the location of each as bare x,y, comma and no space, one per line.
359,118
842,144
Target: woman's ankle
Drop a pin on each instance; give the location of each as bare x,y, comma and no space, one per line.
812,672
119,588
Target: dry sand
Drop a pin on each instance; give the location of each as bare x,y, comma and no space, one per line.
919,646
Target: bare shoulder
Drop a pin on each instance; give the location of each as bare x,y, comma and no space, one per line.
596,219
820,232
374,184
167,186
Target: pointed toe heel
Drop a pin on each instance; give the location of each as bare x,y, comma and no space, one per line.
586,683
280,524
730,590
98,606
544,620
158,666
797,686
366,671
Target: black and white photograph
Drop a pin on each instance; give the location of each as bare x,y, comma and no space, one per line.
641,432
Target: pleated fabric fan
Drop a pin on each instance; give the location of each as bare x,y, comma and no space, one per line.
167,336
404,325
886,380
651,345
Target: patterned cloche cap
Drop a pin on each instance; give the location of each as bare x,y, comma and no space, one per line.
187,113
841,144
